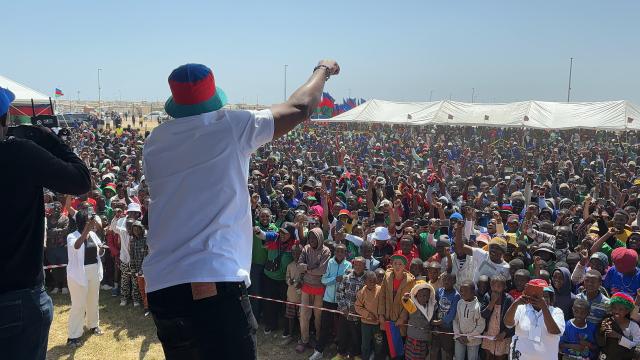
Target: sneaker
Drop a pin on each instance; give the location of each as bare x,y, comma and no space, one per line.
106,287
115,292
73,343
317,355
301,347
55,291
267,331
96,331
65,291
136,304
123,302
285,336
338,357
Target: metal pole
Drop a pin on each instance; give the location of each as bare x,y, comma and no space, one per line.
430,95
99,96
285,82
569,90
473,94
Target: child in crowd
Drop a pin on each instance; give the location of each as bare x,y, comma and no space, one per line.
579,338
366,306
520,279
434,274
336,268
483,286
416,269
618,335
349,333
294,284
138,250
379,275
497,303
598,302
419,307
468,323
448,297
370,263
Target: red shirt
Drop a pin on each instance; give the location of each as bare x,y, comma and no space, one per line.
396,283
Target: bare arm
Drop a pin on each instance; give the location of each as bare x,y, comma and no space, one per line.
303,101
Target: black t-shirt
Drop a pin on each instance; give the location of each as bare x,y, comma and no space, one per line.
26,169
90,252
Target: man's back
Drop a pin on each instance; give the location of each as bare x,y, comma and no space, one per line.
26,169
200,221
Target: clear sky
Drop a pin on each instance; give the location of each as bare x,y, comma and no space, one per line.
396,50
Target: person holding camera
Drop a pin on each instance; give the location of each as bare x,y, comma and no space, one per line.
41,160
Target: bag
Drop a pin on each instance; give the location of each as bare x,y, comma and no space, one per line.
273,265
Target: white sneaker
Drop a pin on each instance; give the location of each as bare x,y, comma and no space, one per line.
316,355
136,304
65,290
123,302
55,291
106,287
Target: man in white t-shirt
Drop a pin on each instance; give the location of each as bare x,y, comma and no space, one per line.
484,262
200,234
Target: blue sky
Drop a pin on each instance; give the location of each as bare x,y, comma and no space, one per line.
395,50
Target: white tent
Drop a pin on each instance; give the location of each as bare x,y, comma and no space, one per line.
606,115
23,93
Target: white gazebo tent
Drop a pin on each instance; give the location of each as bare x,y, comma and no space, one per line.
606,115
21,107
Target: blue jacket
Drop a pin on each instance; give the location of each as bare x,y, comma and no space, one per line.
447,306
329,278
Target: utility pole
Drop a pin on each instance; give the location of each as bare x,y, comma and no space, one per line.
473,94
285,82
99,96
569,90
430,95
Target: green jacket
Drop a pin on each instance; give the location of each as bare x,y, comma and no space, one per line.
425,249
259,252
285,260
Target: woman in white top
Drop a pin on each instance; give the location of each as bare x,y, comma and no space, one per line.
84,273
538,325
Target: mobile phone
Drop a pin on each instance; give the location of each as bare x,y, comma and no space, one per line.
507,178
363,214
445,223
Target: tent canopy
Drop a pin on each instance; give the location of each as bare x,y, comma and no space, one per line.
23,94
606,115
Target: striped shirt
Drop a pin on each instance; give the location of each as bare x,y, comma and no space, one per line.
599,307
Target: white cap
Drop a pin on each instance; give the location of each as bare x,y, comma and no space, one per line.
134,207
381,233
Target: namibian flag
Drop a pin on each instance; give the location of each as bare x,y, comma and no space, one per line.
394,339
59,92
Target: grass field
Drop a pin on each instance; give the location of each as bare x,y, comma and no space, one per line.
128,334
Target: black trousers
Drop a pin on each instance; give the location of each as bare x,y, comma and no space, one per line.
217,327
327,322
272,311
349,337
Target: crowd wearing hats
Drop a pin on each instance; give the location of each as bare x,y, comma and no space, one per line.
441,231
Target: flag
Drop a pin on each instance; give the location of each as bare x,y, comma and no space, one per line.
326,106
59,93
351,103
394,339
362,101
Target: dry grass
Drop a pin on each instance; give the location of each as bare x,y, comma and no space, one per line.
130,335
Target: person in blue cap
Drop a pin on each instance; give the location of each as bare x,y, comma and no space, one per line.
27,168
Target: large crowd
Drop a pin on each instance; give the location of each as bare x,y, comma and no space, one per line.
464,242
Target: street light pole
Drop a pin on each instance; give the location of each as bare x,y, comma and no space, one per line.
473,94
285,82
99,96
430,95
569,90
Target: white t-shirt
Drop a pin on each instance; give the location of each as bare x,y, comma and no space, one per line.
199,211
119,226
532,339
483,265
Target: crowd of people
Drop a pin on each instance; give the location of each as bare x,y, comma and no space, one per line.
470,242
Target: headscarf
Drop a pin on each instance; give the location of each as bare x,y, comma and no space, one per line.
431,304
